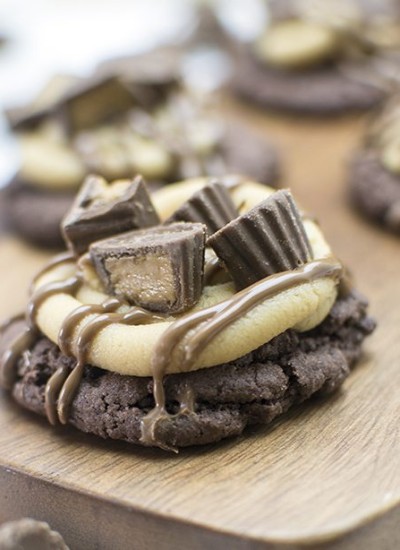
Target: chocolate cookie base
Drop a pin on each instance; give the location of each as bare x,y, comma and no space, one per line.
253,389
36,214
375,191
321,91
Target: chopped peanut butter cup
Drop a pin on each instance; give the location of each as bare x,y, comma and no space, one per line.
101,210
268,239
212,205
95,101
160,268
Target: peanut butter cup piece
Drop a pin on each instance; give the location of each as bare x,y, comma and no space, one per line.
93,102
159,268
102,210
268,239
212,205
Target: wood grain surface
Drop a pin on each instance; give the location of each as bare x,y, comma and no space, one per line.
326,475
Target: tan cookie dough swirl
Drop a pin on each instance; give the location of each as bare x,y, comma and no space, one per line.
128,349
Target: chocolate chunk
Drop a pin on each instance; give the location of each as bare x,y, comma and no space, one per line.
160,268
101,210
268,239
95,101
212,205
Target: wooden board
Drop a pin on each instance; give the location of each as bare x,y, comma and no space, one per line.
325,475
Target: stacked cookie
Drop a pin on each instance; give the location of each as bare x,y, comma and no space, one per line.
375,169
182,313
321,56
132,116
180,319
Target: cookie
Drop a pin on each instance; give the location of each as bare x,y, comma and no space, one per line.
253,389
221,313
374,190
36,213
374,170
316,92
321,57
131,116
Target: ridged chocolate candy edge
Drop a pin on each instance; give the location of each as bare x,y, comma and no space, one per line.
212,205
268,239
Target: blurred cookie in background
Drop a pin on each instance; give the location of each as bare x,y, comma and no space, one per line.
133,115
321,56
374,172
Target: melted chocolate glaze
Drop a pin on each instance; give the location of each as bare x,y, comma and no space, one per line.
206,324
69,286
60,259
22,343
193,332
84,338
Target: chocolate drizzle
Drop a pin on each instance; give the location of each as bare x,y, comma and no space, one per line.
211,268
220,316
52,390
68,286
59,408
60,259
187,401
76,316
25,340
190,333
9,360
